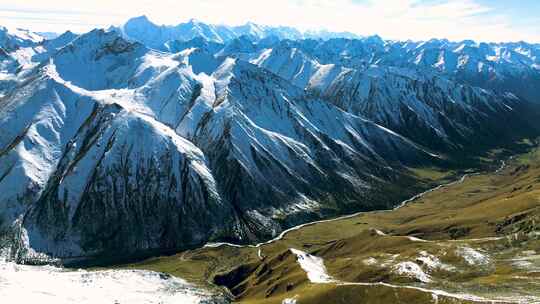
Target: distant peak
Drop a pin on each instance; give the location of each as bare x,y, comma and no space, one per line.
98,36
67,33
251,24
375,39
143,19
193,21
96,31
469,42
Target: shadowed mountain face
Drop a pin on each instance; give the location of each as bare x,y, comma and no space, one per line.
111,147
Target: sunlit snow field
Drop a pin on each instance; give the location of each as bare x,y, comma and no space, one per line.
47,284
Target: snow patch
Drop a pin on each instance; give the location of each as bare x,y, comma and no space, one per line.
379,233
412,270
432,262
389,260
47,284
289,301
313,266
370,261
472,256
301,204
415,239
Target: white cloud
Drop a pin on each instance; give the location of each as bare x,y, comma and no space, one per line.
393,19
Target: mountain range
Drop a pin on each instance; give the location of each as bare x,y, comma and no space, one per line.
157,36
143,138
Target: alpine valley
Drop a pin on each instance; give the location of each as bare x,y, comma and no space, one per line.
196,141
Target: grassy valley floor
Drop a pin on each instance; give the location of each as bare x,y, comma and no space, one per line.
474,241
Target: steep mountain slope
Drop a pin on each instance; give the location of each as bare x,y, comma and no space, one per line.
115,148
429,109
87,176
175,46
513,67
12,39
143,30
502,67
425,107
30,50
99,158
292,149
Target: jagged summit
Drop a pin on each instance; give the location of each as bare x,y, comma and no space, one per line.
141,18
152,138
12,39
142,29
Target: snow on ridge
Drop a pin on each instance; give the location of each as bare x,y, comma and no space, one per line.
22,34
313,266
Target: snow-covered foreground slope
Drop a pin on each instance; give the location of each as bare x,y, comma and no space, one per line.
47,284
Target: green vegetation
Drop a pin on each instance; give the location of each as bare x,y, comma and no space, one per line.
483,234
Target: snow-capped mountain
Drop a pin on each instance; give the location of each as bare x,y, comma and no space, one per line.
158,157
502,67
176,46
118,145
14,38
425,107
513,67
27,50
157,36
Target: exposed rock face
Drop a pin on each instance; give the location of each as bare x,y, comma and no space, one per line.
100,178
132,197
423,106
111,148
501,67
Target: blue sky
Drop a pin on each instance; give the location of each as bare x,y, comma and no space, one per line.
485,20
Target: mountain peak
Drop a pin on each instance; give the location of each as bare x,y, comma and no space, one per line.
99,42
193,21
374,39
139,22
143,30
141,18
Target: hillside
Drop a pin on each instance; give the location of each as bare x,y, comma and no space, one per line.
472,241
